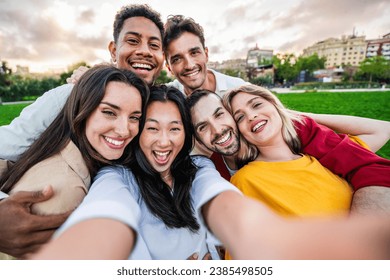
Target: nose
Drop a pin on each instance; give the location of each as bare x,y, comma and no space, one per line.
163,139
253,117
122,128
144,50
189,63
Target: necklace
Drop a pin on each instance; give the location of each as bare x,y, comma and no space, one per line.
167,176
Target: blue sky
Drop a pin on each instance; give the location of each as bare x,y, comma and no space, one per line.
45,34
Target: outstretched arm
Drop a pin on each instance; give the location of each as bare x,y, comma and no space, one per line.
251,231
375,133
98,239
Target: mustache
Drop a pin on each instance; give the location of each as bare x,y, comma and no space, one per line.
217,136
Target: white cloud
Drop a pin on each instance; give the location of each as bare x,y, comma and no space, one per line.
63,32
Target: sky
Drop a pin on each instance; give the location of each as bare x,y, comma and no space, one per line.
53,34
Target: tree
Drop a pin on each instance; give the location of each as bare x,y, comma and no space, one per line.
310,63
71,68
163,78
284,68
375,69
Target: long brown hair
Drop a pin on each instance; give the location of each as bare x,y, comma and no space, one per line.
70,124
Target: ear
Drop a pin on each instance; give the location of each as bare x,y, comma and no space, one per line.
112,50
206,51
168,67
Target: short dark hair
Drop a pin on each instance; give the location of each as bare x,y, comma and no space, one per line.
136,10
177,25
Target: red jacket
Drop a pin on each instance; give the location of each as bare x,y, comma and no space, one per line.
359,166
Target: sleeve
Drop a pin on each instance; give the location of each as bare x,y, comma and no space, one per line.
359,166
207,184
16,137
109,197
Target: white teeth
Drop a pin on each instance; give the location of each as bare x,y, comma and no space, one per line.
142,65
162,153
224,139
192,74
257,126
114,142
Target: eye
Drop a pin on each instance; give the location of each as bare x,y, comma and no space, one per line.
175,60
135,118
155,46
202,128
175,129
239,118
132,41
257,104
195,52
219,114
109,113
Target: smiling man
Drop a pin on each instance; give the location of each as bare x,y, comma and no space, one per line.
187,56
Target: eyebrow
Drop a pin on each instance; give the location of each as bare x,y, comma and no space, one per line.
179,55
156,121
117,107
250,101
140,35
201,123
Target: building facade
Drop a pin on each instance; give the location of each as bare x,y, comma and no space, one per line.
377,47
349,50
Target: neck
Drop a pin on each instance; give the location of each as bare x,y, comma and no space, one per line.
168,179
230,162
208,84
276,153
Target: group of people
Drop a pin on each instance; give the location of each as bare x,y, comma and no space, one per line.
131,170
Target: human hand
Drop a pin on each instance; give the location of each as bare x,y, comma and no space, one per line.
22,232
77,73
195,256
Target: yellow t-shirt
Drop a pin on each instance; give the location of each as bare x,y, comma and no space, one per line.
301,187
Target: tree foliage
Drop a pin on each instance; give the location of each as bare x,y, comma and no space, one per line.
288,66
374,69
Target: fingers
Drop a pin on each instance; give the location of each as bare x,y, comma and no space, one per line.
77,75
194,256
26,197
207,257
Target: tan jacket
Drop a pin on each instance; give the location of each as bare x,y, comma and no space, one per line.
66,172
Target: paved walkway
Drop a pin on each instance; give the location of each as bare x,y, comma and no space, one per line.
288,90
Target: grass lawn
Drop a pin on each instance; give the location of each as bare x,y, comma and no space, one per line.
9,112
365,104
374,105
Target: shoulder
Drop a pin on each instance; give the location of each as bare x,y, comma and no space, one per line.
220,77
202,161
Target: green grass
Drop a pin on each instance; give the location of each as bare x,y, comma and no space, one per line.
9,112
364,104
374,105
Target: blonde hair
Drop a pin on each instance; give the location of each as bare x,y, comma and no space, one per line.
249,151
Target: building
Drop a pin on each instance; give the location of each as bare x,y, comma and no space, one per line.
349,50
259,64
377,47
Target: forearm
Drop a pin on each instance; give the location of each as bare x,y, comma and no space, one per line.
251,231
374,132
91,239
374,200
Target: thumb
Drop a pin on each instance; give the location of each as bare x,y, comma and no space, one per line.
31,197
